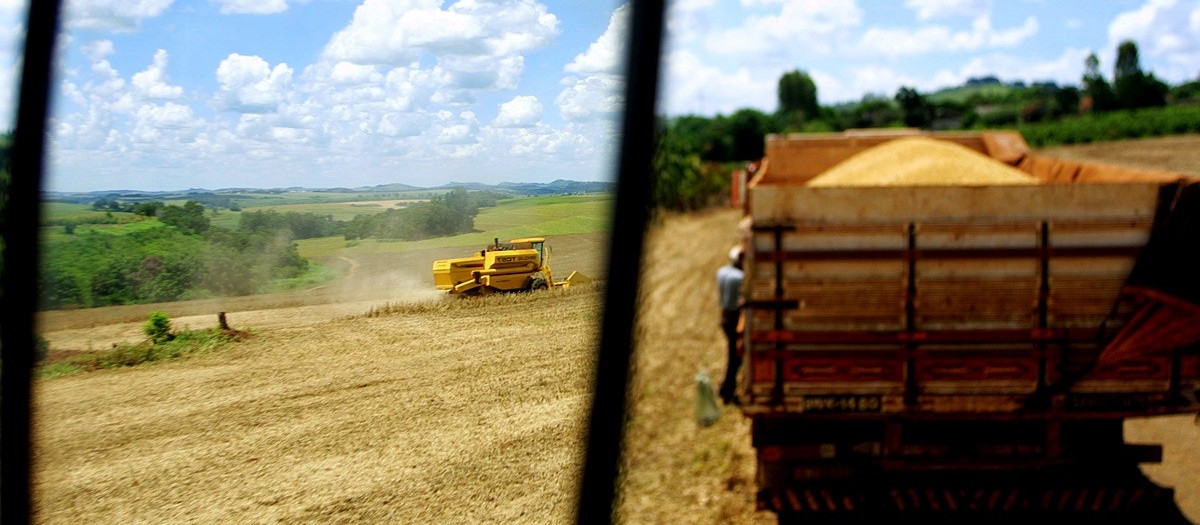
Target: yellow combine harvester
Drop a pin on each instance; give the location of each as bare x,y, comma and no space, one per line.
516,266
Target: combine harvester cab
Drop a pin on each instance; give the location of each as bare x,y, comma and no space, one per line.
518,265
955,351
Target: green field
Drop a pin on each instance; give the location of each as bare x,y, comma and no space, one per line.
57,213
510,219
340,211
57,234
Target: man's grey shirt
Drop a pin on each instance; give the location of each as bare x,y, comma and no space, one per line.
729,286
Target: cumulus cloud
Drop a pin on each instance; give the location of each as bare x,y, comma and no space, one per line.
98,50
166,116
152,83
814,26
1166,30
111,15
479,45
693,87
607,53
928,9
394,109
248,84
520,112
349,74
685,20
594,87
252,7
894,42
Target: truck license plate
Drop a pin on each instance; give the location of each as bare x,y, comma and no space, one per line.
841,403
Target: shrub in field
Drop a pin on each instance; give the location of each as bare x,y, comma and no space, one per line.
125,355
158,328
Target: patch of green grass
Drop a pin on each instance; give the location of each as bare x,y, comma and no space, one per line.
340,211
315,274
59,213
224,219
55,234
185,343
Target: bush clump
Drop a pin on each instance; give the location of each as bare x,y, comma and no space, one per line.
168,345
158,328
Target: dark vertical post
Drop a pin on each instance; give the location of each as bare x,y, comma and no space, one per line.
18,282
644,44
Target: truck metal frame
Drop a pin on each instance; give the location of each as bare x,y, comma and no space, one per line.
933,350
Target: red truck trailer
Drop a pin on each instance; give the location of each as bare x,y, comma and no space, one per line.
962,352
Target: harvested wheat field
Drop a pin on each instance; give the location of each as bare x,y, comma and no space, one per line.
431,413
1179,153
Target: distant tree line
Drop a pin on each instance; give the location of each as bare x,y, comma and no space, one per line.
695,154
446,214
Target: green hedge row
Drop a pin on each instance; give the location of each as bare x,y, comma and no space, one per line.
1114,125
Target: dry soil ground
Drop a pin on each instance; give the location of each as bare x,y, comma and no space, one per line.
461,412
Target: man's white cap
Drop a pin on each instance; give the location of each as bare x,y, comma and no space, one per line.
735,253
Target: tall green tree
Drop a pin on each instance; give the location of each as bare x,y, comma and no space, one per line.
747,129
1094,85
797,98
917,111
681,182
188,218
1133,87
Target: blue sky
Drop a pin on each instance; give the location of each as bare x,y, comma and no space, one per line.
173,94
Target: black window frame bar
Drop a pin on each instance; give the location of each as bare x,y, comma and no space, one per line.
22,213
18,282
597,488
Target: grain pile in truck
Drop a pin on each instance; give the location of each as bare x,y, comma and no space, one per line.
920,161
922,342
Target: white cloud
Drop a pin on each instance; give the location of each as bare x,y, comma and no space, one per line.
476,45
166,116
111,15
813,26
403,111
594,86
520,112
1067,68
348,73
693,87
607,53
686,21
98,50
249,84
928,9
152,83
252,7
1166,31
926,39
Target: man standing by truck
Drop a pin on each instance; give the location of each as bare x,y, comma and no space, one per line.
729,290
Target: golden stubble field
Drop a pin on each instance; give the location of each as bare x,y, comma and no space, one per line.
431,412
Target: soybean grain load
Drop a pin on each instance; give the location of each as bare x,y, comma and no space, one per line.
920,161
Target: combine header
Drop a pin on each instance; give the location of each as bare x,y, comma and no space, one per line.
520,265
